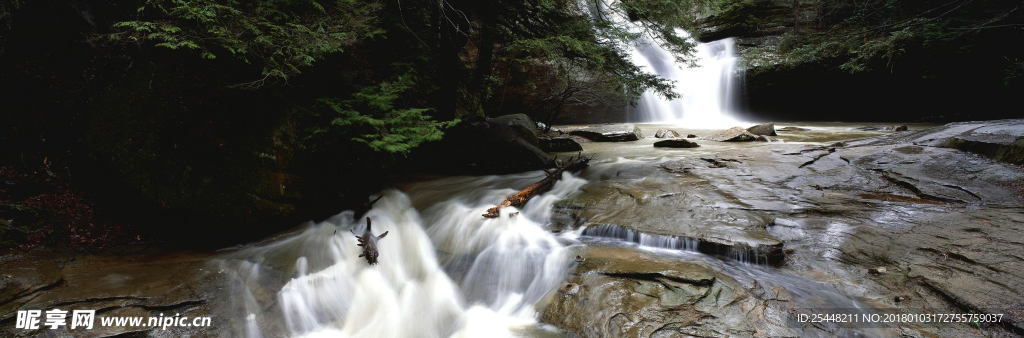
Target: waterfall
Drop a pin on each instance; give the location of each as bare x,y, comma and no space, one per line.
444,271
707,87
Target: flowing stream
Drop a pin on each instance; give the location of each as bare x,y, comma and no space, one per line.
446,271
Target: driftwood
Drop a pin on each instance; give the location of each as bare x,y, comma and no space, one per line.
520,198
369,243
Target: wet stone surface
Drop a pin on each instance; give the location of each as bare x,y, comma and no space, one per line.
943,223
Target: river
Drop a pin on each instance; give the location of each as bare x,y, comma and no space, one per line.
447,271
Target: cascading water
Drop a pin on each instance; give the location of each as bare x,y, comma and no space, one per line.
707,87
444,271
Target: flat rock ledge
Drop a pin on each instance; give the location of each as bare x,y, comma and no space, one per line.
610,133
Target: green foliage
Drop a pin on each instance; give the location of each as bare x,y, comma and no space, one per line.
587,44
876,34
7,9
281,36
375,117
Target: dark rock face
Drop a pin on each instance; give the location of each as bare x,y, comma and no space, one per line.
503,144
559,144
734,134
764,129
610,133
666,133
797,90
676,143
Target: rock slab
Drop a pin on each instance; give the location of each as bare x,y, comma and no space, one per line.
734,134
610,133
676,143
764,129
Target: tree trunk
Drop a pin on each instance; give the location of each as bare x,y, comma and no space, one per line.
520,198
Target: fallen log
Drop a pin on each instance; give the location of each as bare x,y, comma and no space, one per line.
520,198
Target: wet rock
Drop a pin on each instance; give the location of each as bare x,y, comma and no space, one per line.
691,136
734,134
559,144
666,133
791,128
676,143
945,221
610,133
764,129
570,289
883,128
672,209
622,292
969,260
762,138
1000,140
936,174
23,276
119,286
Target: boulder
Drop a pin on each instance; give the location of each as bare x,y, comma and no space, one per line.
764,129
676,143
691,136
496,145
559,144
734,134
515,125
666,133
610,133
791,128
762,138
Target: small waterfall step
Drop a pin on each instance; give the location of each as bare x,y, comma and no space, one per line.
768,255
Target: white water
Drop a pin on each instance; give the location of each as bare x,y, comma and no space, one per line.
444,271
707,88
